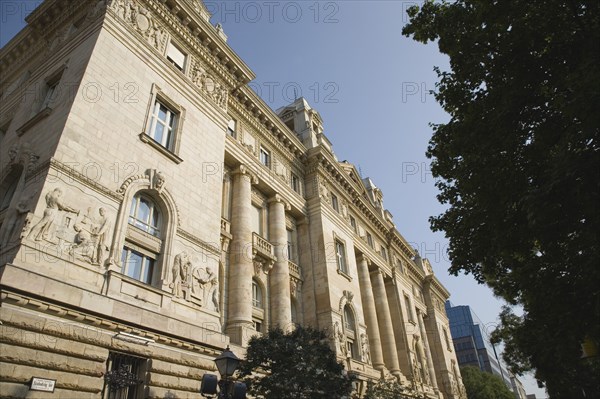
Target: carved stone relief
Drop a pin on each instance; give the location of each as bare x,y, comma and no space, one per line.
85,237
142,20
364,345
44,229
208,83
197,284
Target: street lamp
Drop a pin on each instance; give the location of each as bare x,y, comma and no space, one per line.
227,362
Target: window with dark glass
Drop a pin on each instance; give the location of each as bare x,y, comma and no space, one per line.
124,377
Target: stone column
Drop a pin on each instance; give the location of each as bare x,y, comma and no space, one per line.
368,301
386,329
241,266
427,351
281,312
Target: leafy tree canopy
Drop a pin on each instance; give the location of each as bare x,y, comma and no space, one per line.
296,365
482,385
518,165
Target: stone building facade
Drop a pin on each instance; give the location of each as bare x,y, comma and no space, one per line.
155,210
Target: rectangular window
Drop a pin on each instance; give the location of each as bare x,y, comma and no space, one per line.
163,123
295,182
340,254
291,248
265,157
353,224
257,220
231,126
383,253
176,56
370,240
137,265
50,95
123,377
409,311
334,202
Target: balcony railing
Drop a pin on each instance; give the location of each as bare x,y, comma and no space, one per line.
294,270
225,226
262,247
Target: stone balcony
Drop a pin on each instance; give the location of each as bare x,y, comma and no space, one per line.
263,252
295,270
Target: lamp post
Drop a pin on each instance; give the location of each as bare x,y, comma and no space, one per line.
227,362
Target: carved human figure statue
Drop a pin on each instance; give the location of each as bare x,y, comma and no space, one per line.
84,245
102,240
54,204
13,214
181,270
364,344
340,338
206,284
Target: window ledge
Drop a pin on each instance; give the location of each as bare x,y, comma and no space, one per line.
34,120
344,274
148,140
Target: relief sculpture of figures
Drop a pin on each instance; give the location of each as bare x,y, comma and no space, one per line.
182,267
102,240
83,244
54,204
205,286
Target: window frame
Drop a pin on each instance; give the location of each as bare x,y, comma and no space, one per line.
137,366
159,97
335,204
264,156
144,239
172,61
295,182
341,258
258,299
232,132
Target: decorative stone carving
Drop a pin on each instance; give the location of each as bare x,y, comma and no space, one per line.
197,284
180,277
347,297
364,344
92,239
142,20
54,204
208,84
340,339
324,192
11,220
205,286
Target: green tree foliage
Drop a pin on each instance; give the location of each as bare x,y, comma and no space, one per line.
518,164
482,385
296,365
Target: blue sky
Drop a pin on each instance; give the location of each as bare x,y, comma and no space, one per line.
369,83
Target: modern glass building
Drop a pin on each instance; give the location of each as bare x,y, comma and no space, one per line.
471,341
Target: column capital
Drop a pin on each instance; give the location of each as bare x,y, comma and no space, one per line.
277,198
365,258
244,170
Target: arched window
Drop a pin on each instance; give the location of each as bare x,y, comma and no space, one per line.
350,332
141,252
144,214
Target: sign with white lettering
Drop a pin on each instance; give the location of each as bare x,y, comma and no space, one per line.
42,384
